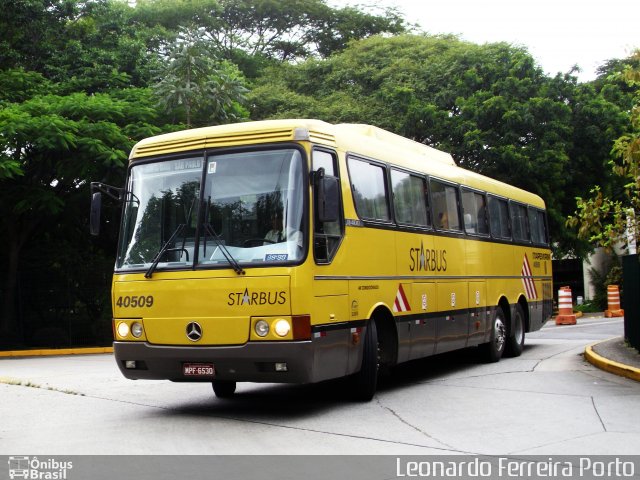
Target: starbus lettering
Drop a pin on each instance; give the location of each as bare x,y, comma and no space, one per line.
428,260
257,298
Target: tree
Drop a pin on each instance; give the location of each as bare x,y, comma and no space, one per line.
54,140
56,144
606,219
596,123
31,32
192,83
295,29
90,46
255,33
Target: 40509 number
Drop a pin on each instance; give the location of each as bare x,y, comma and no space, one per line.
139,301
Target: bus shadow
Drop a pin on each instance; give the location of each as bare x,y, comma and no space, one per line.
436,367
273,402
429,369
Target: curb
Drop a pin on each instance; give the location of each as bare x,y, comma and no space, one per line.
611,366
56,351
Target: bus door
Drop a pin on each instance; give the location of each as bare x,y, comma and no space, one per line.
337,352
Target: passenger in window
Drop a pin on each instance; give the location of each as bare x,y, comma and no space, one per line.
482,219
443,220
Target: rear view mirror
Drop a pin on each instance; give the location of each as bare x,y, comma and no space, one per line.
96,203
94,216
327,197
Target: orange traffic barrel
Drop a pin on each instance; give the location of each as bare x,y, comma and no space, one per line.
565,307
613,302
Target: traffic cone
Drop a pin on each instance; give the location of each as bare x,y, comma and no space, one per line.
613,302
565,307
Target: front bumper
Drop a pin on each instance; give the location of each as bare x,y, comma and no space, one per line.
251,362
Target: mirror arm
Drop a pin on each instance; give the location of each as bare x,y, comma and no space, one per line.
113,192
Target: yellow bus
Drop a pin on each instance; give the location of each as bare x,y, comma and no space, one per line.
298,251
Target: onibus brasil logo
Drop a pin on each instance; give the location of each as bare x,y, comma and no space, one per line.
33,468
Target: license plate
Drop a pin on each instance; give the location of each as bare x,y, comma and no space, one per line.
198,370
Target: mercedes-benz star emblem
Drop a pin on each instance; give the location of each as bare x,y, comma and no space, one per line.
194,331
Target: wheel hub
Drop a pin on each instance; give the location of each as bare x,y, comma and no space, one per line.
501,333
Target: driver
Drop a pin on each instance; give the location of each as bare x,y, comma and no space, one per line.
275,235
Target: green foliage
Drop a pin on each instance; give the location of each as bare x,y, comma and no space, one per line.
611,275
82,46
607,217
196,88
172,15
53,145
588,307
292,30
17,85
256,33
32,31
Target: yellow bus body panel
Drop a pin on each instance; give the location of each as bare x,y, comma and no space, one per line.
222,306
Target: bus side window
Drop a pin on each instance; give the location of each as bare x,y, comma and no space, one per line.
520,223
533,223
538,226
444,200
409,198
542,222
369,190
499,218
474,206
326,235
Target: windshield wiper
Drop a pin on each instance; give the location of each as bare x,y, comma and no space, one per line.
208,229
163,250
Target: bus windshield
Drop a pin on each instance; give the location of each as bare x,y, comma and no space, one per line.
250,209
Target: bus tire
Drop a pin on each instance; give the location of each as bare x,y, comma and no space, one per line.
224,388
365,382
515,340
493,350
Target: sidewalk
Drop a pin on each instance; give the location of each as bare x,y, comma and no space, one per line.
615,356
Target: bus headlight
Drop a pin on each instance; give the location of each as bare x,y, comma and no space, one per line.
136,329
282,327
262,328
123,329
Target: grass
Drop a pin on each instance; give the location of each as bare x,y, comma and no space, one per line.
587,307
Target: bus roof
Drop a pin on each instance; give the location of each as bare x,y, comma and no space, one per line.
364,140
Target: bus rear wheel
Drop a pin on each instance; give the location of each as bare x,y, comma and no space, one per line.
365,382
515,341
493,350
224,388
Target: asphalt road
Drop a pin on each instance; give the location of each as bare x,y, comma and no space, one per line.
549,401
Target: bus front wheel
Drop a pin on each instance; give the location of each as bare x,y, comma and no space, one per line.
365,382
224,388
